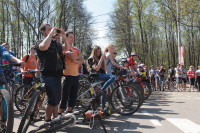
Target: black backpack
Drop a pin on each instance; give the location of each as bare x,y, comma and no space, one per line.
27,57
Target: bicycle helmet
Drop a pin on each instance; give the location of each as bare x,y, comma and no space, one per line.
124,60
171,66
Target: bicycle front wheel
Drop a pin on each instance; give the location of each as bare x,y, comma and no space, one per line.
28,115
8,113
20,100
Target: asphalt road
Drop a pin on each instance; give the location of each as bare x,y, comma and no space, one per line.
163,112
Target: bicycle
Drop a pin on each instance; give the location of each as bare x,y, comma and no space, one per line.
24,92
33,107
6,106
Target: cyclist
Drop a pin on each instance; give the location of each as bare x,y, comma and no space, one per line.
131,60
157,77
9,57
7,70
178,77
152,74
171,76
97,65
73,59
162,73
110,60
183,76
31,61
51,62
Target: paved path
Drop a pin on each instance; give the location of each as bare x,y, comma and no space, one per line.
163,112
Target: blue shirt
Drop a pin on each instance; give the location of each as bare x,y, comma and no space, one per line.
4,54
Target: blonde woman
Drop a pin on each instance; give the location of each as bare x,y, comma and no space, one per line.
96,64
110,60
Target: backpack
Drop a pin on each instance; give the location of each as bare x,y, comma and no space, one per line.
27,57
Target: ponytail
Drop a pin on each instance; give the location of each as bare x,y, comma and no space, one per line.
108,47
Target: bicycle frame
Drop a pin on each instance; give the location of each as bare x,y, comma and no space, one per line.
29,92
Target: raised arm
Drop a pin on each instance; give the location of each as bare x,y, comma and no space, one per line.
45,44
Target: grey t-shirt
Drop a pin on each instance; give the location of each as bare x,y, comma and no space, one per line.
109,66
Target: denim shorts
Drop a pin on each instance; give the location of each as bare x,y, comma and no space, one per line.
53,89
178,80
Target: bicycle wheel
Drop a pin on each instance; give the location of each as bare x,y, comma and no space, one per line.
147,90
28,115
83,99
8,113
139,88
125,99
21,102
59,125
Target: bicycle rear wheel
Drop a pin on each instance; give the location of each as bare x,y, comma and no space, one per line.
126,99
8,110
83,99
20,102
29,113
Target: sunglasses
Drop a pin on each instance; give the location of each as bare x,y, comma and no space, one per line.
114,53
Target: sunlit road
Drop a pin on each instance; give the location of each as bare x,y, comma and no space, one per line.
163,112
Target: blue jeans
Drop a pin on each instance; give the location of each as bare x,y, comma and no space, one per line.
162,79
109,79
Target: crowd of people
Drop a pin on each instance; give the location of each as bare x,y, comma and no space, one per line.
54,60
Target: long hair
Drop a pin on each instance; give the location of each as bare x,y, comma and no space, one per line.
94,55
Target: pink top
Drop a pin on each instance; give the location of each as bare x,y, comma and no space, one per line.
191,74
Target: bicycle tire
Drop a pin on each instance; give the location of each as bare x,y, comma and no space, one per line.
130,104
147,90
28,115
80,104
13,89
58,126
10,111
19,103
138,86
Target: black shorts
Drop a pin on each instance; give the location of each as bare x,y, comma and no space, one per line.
53,89
192,81
171,79
184,80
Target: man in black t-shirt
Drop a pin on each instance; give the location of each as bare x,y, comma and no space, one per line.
51,61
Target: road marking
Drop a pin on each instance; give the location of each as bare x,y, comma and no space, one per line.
145,112
185,125
154,121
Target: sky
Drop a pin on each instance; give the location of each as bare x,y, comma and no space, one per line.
100,10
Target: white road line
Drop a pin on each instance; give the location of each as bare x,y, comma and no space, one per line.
145,112
154,121
185,125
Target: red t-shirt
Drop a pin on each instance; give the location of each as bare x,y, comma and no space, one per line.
131,62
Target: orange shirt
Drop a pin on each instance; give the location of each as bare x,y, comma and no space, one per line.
71,67
30,64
